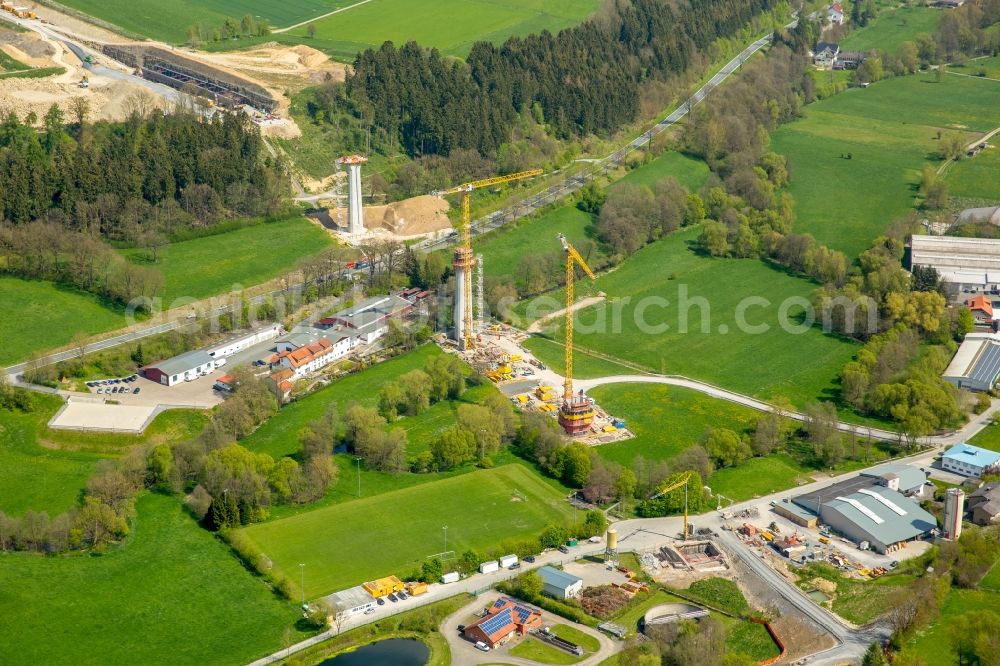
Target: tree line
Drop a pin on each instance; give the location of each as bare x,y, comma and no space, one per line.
585,80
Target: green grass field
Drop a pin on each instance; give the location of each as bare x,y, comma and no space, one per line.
41,315
585,364
237,259
173,594
890,131
891,28
692,173
504,249
976,177
759,476
665,419
279,435
451,26
45,470
988,438
532,649
802,367
934,645
396,530
154,19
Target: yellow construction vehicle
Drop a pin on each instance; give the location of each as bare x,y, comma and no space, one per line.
577,412
674,486
464,259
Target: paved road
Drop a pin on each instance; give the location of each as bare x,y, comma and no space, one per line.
977,423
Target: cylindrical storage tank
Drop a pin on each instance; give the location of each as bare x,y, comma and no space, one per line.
612,539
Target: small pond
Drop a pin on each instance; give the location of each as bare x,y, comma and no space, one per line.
818,596
392,652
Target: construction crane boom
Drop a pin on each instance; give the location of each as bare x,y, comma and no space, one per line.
674,486
464,259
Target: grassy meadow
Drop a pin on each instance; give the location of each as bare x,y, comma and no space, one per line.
665,419
396,530
39,315
212,265
934,644
976,177
45,470
891,28
758,477
691,172
801,367
279,435
168,23
452,26
890,131
172,594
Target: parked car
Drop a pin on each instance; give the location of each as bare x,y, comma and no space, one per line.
529,558
392,598
516,565
461,628
563,549
482,646
100,390
135,391
380,601
402,595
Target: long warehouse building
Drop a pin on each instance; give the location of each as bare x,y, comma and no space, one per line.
967,262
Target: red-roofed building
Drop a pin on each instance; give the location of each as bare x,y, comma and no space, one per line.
505,619
836,14
982,310
281,383
313,356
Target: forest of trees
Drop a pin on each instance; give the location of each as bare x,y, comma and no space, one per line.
72,188
584,80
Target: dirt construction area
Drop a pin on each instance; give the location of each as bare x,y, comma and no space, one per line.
410,218
108,99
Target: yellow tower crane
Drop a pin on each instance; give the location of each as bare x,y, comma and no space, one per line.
576,413
465,260
674,486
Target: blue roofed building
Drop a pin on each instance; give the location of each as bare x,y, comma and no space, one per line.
969,460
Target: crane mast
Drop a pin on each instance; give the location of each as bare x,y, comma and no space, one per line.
674,486
465,260
576,413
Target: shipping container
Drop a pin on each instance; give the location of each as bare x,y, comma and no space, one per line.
508,560
489,567
449,578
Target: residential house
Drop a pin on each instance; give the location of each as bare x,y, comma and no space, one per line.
983,505
505,619
825,54
281,382
982,310
835,14
849,59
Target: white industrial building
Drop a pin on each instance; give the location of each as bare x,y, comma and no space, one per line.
970,263
367,321
976,364
352,601
244,341
559,584
183,368
969,460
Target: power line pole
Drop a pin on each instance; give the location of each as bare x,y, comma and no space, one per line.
358,460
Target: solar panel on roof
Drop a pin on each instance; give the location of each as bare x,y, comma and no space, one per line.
987,365
498,621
